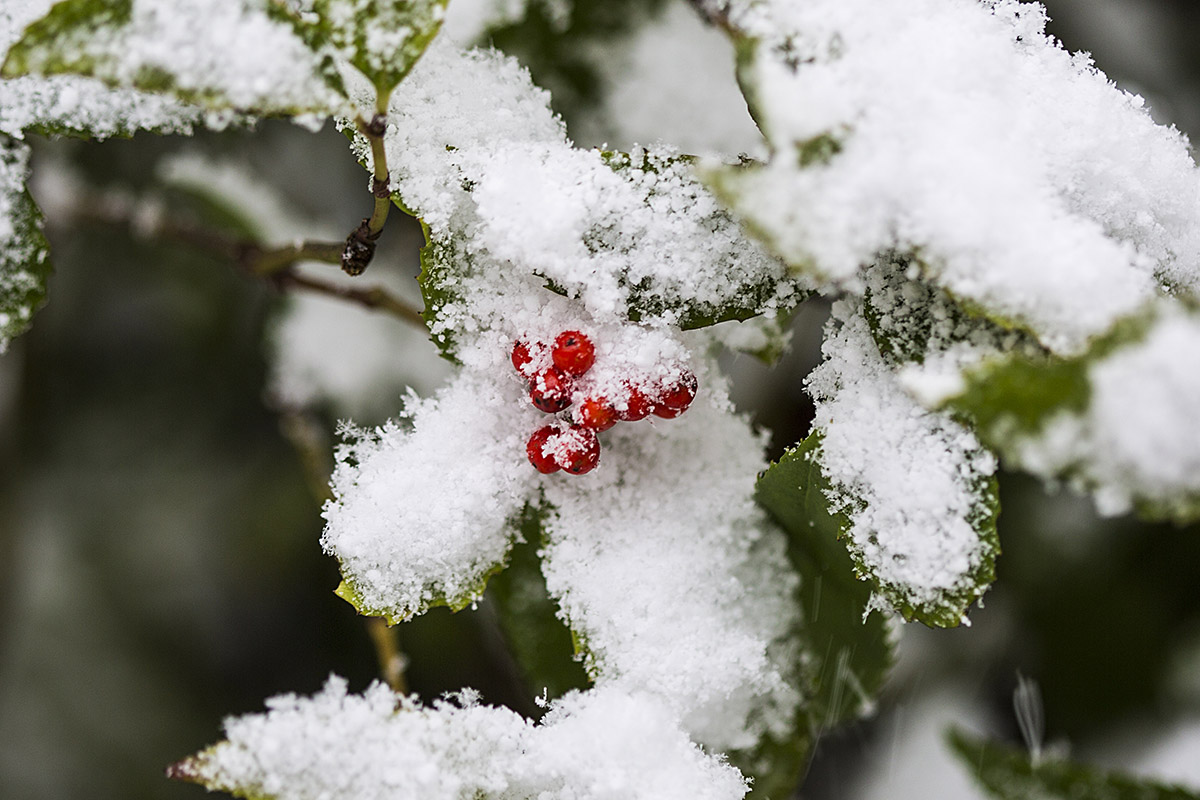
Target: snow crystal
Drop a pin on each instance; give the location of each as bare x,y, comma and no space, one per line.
227,51
602,745
1024,180
1137,441
909,480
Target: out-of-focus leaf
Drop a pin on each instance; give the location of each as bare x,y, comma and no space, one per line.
1009,773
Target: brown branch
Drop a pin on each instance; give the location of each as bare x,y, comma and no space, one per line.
374,297
276,265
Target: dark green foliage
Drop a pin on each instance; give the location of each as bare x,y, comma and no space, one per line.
1009,773
541,644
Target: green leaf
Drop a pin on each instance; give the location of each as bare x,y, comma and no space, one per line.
58,42
1010,773
440,267
1043,414
24,252
94,38
542,645
851,651
382,39
847,652
394,616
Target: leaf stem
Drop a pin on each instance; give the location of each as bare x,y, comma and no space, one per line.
392,660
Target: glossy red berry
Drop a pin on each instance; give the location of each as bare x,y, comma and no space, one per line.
573,353
680,394
577,450
596,413
537,451
666,412
637,406
521,357
550,391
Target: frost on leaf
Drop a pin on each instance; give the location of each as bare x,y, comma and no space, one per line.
915,486
1033,189
475,152
24,254
1009,773
382,39
227,55
68,104
1118,420
601,745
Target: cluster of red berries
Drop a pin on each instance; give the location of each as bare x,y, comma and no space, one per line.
552,371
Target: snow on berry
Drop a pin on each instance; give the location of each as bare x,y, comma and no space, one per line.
540,455
550,391
634,405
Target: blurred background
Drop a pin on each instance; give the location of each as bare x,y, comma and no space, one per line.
165,425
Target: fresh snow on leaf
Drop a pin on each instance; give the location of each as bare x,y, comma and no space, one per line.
1118,420
916,486
600,745
218,54
68,104
24,254
422,509
679,588
490,172
1029,185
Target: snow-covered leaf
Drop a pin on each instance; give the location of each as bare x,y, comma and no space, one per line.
1117,420
1010,773
423,510
24,253
382,39
226,55
915,486
600,745
1033,190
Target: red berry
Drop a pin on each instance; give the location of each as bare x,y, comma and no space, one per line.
637,406
666,412
573,353
550,391
536,449
679,395
521,356
577,450
596,413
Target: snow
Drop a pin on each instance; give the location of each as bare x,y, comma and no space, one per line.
225,53
912,482
1027,183
1137,440
601,745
